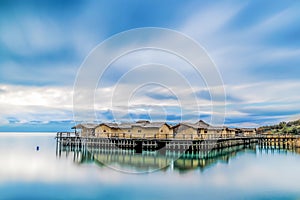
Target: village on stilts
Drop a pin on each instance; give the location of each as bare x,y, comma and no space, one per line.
146,135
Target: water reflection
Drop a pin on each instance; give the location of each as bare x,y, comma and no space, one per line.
251,172
164,160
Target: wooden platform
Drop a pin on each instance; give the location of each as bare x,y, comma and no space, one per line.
72,140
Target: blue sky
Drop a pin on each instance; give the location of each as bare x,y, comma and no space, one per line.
255,45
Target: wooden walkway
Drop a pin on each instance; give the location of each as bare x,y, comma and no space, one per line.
72,140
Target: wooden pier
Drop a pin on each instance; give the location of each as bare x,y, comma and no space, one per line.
72,140
281,141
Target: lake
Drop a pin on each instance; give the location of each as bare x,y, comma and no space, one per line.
52,173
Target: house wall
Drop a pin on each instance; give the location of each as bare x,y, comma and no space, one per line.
134,132
139,132
87,132
82,132
214,134
103,131
249,133
230,133
123,132
227,133
165,132
185,132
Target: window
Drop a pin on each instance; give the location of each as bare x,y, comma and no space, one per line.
128,130
104,131
139,131
205,131
161,131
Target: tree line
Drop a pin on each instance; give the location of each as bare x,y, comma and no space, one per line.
292,127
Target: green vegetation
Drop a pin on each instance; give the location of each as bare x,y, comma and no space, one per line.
292,127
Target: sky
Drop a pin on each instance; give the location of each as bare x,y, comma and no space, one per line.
254,44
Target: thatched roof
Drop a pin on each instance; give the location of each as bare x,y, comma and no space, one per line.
142,124
198,125
215,128
147,124
194,126
202,124
87,125
247,129
110,125
142,121
155,125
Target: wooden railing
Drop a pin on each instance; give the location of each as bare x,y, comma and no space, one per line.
67,134
273,136
170,136
178,136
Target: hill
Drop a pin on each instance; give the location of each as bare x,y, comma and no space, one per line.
292,127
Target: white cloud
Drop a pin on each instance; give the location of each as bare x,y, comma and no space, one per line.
210,19
239,52
283,91
31,103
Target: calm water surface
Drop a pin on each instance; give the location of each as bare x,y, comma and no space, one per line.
251,173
